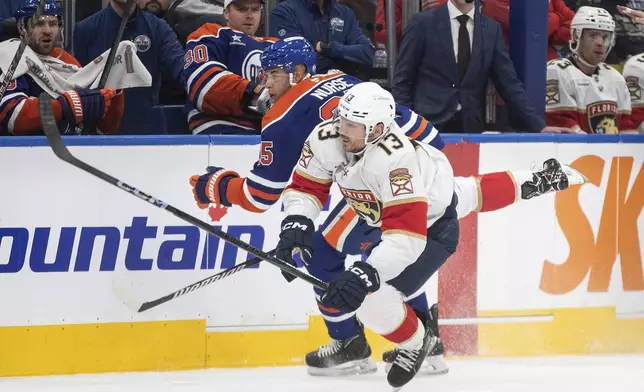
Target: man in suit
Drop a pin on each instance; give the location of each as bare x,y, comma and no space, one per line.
446,57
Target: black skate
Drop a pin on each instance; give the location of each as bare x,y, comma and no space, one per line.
553,177
342,357
434,364
407,362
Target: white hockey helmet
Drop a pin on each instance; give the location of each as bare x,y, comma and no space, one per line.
369,104
590,18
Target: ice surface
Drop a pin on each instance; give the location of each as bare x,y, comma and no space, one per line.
548,374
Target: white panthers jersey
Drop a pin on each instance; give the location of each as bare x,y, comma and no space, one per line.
399,185
634,74
599,103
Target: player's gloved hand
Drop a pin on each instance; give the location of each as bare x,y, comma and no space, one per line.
296,242
211,187
350,289
264,102
85,105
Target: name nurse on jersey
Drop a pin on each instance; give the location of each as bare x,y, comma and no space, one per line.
331,87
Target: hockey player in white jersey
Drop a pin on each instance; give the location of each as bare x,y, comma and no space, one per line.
634,74
582,92
404,187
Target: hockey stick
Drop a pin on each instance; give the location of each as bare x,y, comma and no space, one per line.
58,146
127,9
139,307
8,76
129,6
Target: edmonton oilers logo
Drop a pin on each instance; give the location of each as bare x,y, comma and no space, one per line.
143,43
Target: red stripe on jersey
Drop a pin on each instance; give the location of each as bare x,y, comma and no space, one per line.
498,190
626,122
638,116
318,190
202,79
421,128
236,196
564,118
410,217
225,96
407,328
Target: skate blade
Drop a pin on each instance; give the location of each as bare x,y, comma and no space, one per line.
432,366
352,368
574,176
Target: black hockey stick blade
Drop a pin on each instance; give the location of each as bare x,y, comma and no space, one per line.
8,76
58,146
123,292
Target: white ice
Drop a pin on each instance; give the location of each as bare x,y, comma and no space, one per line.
624,373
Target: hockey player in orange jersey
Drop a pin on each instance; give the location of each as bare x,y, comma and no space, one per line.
223,68
582,92
44,67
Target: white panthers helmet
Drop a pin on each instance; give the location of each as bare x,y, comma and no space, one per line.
590,18
369,104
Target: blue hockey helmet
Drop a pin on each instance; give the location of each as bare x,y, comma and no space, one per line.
29,7
288,53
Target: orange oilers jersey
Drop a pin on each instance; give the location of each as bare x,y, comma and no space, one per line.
220,63
288,124
19,112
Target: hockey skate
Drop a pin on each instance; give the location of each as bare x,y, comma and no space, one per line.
342,357
434,364
407,363
553,177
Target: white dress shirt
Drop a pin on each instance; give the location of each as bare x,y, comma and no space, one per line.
456,25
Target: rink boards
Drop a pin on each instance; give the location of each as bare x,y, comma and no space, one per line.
553,275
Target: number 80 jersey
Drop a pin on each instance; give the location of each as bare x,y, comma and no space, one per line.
397,184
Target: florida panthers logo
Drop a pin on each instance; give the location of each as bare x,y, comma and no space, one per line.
602,117
252,66
364,203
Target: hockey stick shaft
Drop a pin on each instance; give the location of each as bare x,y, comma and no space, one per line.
129,6
197,285
8,76
127,10
60,150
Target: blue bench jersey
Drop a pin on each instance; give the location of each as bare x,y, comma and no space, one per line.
220,64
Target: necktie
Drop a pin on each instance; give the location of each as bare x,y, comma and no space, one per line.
463,46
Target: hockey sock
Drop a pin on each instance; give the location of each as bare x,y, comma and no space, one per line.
410,333
498,190
419,303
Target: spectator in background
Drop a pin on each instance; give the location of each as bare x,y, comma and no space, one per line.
636,16
157,47
559,18
446,58
333,31
582,92
8,7
186,16
381,21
